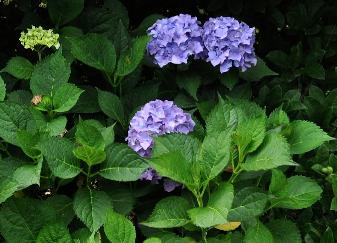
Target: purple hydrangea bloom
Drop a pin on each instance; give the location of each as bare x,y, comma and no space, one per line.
229,43
175,39
154,119
170,185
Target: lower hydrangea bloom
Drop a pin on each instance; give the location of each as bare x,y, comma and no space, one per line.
154,119
175,39
229,43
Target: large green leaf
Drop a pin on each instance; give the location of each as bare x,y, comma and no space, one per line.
66,97
284,231
299,192
95,51
63,206
273,153
91,207
28,143
50,74
90,155
217,208
257,72
247,203
64,11
59,155
305,136
258,233
111,106
189,82
22,219
89,135
119,229
2,89
19,67
169,212
122,164
54,233
214,154
13,117
131,58
278,180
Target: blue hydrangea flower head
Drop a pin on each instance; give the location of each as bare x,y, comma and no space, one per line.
229,43
154,119
175,39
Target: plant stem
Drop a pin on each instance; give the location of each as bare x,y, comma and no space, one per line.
88,175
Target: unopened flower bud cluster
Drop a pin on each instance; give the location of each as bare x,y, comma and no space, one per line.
37,37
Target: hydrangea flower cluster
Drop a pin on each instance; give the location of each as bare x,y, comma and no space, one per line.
37,36
221,41
229,43
154,119
175,39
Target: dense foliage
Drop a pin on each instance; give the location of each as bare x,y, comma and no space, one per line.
177,121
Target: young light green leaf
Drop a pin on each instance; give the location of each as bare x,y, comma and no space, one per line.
278,181
91,207
59,155
122,164
101,57
247,203
52,233
90,155
50,74
19,67
13,117
66,97
2,89
119,229
305,136
63,11
217,208
258,233
214,154
189,82
284,230
111,106
257,72
169,212
130,59
273,153
299,192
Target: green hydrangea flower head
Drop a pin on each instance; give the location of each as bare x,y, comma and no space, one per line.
37,37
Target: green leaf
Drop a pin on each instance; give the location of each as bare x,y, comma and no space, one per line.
19,67
130,59
217,208
28,174
299,192
229,79
2,89
118,229
305,136
56,126
315,70
13,117
28,143
278,180
328,236
146,23
257,72
247,203
101,57
333,205
22,219
214,154
111,106
273,153
50,74
284,230
189,82
54,233
83,235
91,207
87,134
59,155
122,164
90,155
66,97
63,11
122,197
153,240
63,206
176,167
258,233
277,118
169,212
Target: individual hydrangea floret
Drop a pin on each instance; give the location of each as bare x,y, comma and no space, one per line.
229,43
154,119
37,37
175,39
